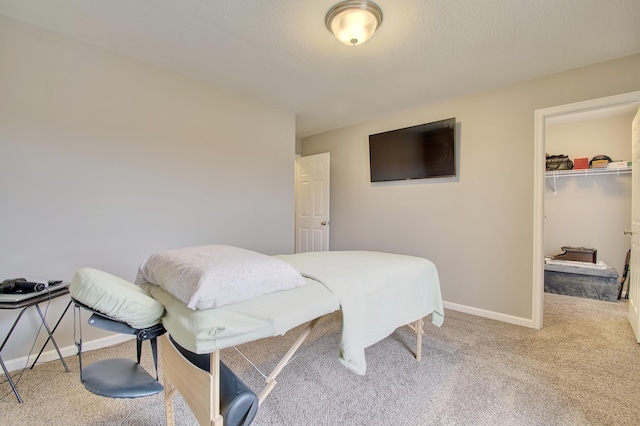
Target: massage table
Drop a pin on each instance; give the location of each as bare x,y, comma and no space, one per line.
376,292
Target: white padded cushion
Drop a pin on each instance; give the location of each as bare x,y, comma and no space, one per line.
207,277
115,297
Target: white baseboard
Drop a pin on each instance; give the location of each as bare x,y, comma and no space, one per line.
525,322
52,355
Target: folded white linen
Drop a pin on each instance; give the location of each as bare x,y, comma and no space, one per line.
210,276
576,263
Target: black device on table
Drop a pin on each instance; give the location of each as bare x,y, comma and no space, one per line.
21,285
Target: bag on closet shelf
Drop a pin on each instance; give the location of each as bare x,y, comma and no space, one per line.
559,162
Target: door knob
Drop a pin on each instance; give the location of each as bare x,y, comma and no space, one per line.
324,223
628,232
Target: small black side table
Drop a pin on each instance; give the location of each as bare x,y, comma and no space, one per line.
24,302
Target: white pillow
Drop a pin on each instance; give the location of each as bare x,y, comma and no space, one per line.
206,277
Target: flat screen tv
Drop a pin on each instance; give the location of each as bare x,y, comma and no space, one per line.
417,152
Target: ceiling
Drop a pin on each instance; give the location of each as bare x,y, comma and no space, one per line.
280,52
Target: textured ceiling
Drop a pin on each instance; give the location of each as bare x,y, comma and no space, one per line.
280,52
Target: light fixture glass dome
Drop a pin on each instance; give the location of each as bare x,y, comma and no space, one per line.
354,22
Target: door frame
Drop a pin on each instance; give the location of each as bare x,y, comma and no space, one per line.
539,167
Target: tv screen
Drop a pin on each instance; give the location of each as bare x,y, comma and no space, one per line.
418,152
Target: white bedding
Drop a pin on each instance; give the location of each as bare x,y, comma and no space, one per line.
378,293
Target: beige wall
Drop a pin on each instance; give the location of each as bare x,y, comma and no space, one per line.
106,160
590,211
477,228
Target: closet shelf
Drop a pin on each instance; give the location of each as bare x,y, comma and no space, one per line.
555,174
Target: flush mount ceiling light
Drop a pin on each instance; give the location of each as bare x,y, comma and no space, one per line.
354,22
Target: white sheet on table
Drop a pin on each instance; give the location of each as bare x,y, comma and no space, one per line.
378,293
207,330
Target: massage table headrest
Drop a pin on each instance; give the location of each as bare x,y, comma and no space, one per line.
116,298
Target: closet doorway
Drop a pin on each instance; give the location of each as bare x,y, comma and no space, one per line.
590,208
601,106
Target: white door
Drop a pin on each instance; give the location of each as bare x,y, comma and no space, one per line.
312,203
634,261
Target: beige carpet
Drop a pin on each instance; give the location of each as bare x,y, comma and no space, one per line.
583,368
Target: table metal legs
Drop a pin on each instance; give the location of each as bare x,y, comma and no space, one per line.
13,386
50,333
44,322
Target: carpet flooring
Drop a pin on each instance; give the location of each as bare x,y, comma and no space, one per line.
582,368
